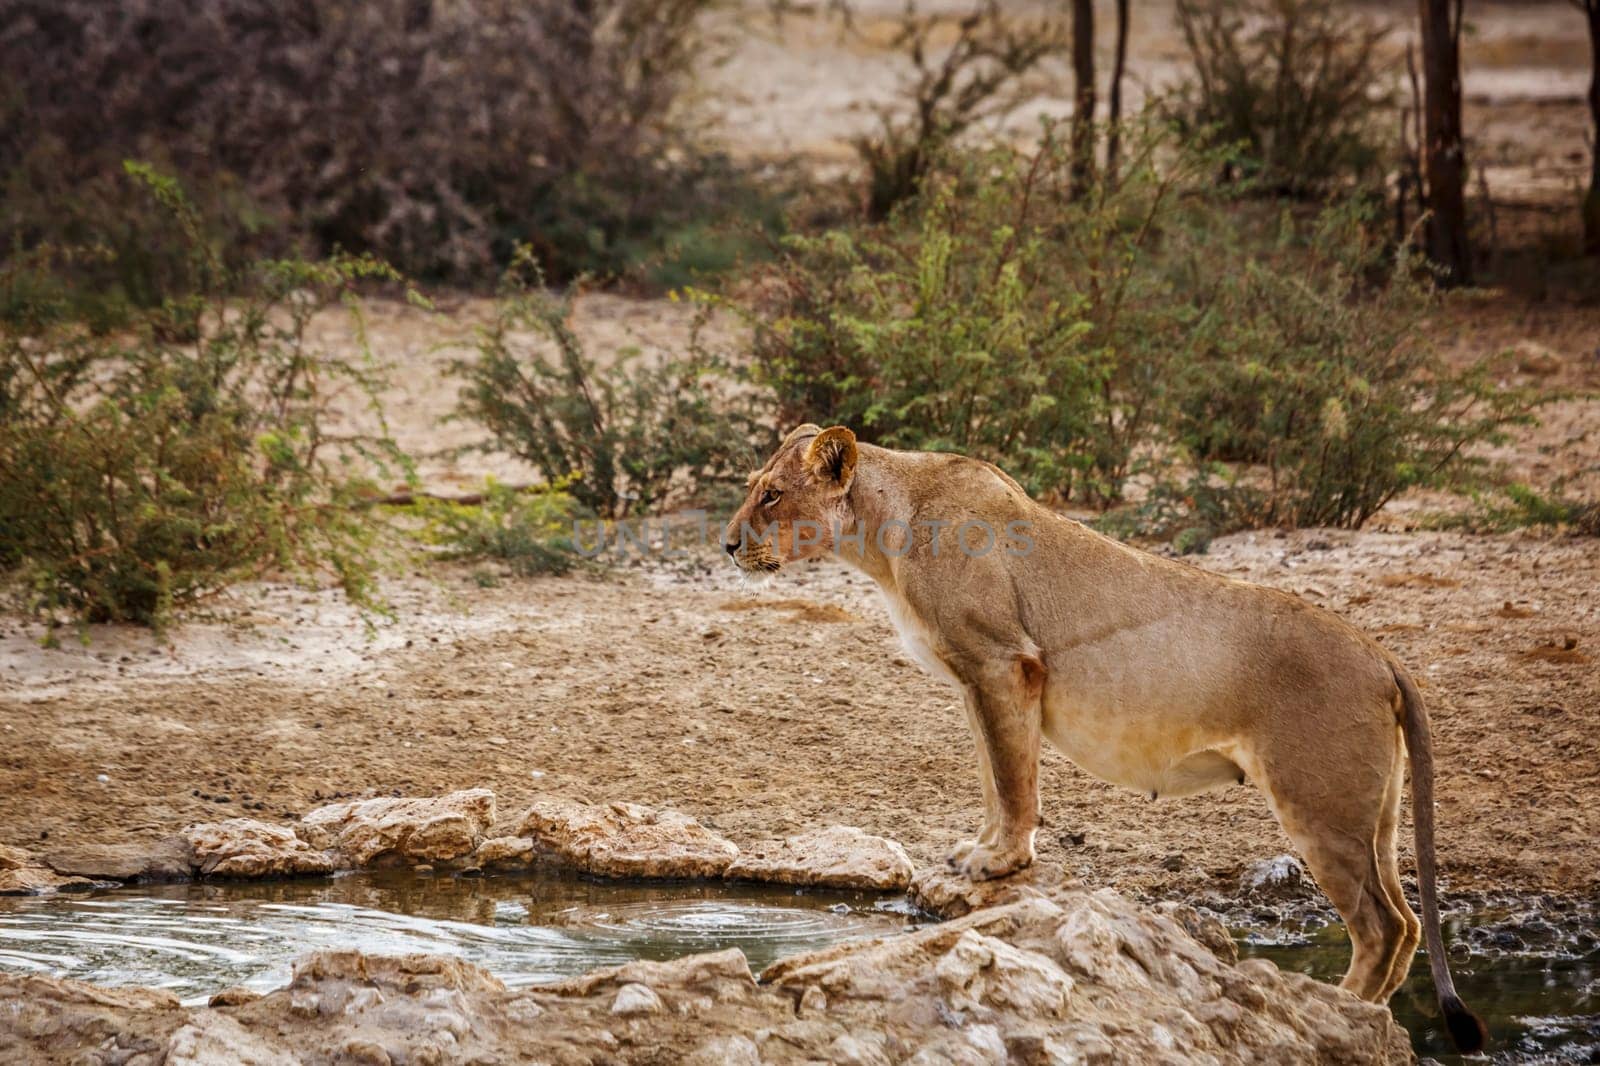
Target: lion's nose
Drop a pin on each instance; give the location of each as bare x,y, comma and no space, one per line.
732,546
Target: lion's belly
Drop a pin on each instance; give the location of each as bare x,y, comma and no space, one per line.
1163,751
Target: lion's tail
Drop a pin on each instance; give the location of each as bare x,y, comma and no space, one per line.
1466,1028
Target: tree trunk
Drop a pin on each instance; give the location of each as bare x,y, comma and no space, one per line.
1591,203
1444,163
1083,95
1114,103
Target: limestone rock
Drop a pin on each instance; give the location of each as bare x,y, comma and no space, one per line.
164,860
233,996
23,875
42,1018
1086,971
627,839
735,1050
1280,877
1079,977
211,1038
243,847
715,975
636,999
839,856
944,892
1205,928
421,830
503,852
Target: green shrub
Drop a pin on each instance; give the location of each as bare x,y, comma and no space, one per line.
1298,87
530,530
1312,366
1247,371
633,435
140,473
992,315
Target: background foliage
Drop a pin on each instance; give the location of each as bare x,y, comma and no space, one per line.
437,135
144,471
631,434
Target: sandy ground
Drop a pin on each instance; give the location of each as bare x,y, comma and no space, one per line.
765,711
668,682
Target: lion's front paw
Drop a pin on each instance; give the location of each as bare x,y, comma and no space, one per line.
958,854
984,862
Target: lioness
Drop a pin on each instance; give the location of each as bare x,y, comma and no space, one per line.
1145,672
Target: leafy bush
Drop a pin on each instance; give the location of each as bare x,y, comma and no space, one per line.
139,473
530,530
437,135
1314,365
1298,86
632,435
1248,373
993,315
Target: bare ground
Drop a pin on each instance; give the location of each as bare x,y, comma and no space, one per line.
767,712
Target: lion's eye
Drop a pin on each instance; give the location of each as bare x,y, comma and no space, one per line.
770,497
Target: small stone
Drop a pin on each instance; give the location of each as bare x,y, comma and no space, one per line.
813,1001
839,856
243,847
504,852
635,999
627,839
233,996
1280,875
427,829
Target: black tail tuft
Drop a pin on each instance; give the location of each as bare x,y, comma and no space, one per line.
1466,1028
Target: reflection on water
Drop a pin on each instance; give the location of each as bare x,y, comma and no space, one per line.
1533,977
194,939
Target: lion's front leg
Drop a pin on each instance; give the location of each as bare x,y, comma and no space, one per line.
989,831
1005,709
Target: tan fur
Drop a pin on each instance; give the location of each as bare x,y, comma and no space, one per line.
1147,672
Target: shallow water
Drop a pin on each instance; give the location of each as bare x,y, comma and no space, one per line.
1532,975
194,939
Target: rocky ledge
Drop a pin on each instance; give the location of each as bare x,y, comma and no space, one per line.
458,832
1076,977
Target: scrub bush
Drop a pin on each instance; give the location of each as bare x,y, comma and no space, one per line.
529,530
207,443
629,435
1241,371
1299,88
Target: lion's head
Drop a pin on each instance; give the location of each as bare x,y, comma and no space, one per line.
797,504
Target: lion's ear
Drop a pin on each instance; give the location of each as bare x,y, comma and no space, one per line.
832,457
807,430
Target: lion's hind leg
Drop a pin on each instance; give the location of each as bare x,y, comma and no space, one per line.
1389,873
1346,837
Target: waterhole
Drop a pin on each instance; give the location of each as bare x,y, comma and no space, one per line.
197,938
1532,972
